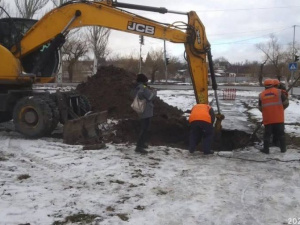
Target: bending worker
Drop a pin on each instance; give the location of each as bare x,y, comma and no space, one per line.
201,120
272,102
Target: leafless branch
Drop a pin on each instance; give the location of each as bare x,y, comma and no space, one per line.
4,5
273,53
58,2
98,40
27,8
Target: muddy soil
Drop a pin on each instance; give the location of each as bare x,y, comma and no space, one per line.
109,90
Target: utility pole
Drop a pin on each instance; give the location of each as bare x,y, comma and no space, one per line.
292,72
166,61
141,59
59,75
95,65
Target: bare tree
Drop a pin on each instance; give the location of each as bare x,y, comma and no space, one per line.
273,53
221,61
290,57
98,39
72,51
129,63
4,6
58,2
154,62
174,65
27,8
260,72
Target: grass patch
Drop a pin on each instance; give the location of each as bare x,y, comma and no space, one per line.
3,158
123,216
292,140
139,207
117,181
161,192
156,159
81,218
110,209
23,176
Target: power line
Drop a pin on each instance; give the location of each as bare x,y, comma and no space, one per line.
234,42
245,32
246,9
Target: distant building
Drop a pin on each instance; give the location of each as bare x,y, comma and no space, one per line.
82,70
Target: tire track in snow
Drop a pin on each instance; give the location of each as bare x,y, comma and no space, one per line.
247,207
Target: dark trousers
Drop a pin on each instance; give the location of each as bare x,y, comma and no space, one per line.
277,130
201,130
143,135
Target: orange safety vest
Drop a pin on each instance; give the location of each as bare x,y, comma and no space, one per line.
272,108
200,112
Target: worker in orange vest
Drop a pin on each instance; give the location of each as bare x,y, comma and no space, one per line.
201,120
272,103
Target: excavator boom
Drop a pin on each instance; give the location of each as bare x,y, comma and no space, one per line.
82,14
79,14
42,41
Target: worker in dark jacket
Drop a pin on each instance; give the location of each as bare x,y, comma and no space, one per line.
281,86
201,120
272,103
144,92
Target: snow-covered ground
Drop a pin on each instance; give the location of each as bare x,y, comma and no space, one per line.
45,180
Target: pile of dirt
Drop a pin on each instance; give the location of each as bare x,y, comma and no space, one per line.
109,89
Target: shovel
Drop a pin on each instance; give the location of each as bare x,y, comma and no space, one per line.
246,141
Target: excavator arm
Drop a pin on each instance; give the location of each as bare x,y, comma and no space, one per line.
61,20
50,31
80,14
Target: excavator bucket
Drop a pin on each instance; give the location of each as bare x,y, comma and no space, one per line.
84,130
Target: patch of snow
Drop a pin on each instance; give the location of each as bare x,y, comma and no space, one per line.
167,186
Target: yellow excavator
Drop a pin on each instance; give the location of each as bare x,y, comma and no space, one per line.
29,54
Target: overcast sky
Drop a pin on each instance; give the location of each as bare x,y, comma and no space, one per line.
233,27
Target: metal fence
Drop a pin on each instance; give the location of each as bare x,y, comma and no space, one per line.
230,80
235,79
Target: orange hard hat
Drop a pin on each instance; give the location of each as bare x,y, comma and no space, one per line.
268,82
276,82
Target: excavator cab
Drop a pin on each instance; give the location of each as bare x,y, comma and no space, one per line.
12,31
35,113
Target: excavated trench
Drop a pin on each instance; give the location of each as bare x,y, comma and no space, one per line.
109,90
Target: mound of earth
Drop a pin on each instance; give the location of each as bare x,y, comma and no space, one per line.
109,89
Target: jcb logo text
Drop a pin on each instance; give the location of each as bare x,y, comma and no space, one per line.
141,28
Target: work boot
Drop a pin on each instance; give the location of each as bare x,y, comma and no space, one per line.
140,150
266,148
145,146
282,144
191,151
209,152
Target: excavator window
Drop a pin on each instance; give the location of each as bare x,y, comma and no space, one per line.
4,29
11,32
13,29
